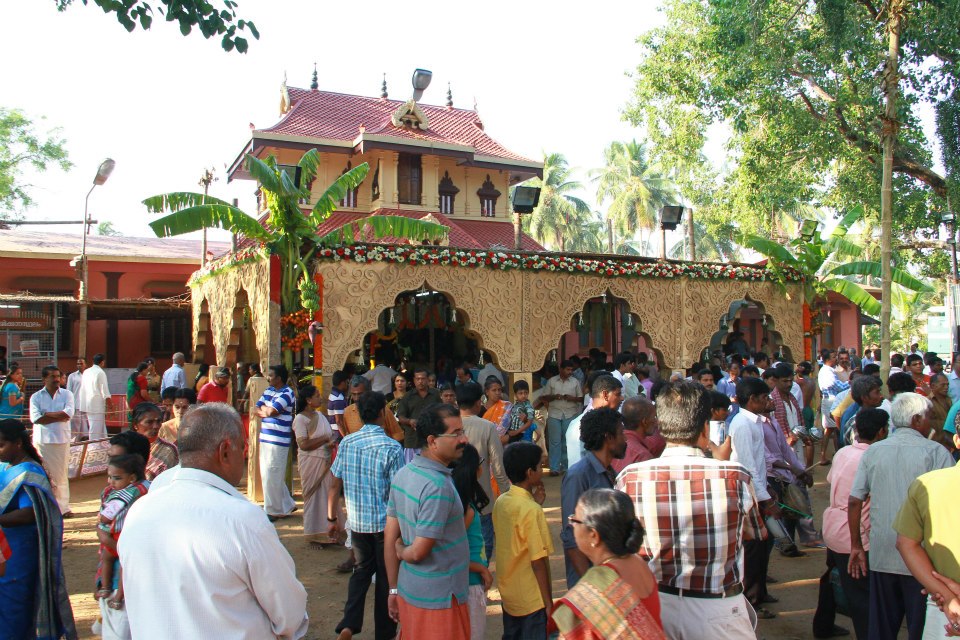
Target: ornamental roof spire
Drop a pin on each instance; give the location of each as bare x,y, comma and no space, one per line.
314,85
383,88
449,97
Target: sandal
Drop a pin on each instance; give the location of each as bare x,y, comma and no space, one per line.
346,566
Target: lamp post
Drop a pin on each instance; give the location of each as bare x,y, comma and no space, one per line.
525,200
670,217
952,312
103,172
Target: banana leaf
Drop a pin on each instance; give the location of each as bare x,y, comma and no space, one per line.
195,218
855,294
848,221
328,201
264,172
872,270
772,250
382,227
309,165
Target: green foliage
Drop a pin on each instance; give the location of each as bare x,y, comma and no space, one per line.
560,216
106,229
203,15
22,146
289,233
798,88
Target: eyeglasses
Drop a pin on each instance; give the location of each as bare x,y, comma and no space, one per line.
482,460
573,520
459,433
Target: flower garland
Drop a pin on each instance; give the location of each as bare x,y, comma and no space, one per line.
227,262
505,261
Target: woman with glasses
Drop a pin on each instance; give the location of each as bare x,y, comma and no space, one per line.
617,597
147,420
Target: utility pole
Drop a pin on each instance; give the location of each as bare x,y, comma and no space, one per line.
205,181
693,246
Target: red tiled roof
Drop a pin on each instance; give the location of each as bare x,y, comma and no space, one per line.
338,116
464,234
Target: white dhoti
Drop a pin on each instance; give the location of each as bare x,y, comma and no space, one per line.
277,500
56,459
114,625
98,425
78,425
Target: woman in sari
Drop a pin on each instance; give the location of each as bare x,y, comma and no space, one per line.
163,454
498,409
314,438
33,593
617,598
154,379
399,390
11,394
136,389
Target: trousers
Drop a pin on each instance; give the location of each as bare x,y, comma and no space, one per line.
368,550
557,442
892,597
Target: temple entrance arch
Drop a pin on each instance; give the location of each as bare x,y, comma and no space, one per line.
606,323
744,329
204,349
422,328
242,342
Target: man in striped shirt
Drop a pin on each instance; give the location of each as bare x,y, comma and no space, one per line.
696,512
275,408
337,400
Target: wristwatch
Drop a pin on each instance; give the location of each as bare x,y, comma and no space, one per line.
393,592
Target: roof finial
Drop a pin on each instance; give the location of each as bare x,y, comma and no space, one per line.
313,83
383,88
449,97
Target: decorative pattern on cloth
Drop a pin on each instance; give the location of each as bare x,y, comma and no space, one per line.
602,606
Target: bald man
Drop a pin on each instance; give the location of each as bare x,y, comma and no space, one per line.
639,422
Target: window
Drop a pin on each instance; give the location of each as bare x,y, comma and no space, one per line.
375,187
488,195
169,335
448,193
350,197
64,327
409,178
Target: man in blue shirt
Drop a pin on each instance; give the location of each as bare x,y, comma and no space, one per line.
275,408
364,467
601,432
174,376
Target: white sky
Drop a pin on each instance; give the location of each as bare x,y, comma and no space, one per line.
546,76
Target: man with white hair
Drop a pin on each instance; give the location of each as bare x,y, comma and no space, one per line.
231,577
174,376
886,471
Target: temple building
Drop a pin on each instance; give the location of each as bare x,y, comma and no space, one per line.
484,292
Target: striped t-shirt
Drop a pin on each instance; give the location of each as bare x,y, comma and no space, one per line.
426,504
336,404
277,429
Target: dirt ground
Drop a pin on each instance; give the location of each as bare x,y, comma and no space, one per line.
797,578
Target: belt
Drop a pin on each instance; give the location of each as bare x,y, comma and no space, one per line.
735,590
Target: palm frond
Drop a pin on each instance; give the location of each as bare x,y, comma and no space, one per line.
327,202
383,227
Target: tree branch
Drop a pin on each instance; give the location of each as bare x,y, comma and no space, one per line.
872,10
918,243
813,111
817,89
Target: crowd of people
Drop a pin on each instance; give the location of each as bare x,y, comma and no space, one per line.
675,492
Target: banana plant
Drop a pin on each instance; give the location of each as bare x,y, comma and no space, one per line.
287,231
829,264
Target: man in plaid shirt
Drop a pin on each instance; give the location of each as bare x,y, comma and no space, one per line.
696,512
365,465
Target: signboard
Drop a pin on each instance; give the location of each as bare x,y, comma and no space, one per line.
24,324
88,458
30,348
939,334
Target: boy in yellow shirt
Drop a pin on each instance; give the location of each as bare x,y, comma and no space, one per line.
523,545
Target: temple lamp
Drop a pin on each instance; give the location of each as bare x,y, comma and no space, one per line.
421,80
103,172
809,229
525,200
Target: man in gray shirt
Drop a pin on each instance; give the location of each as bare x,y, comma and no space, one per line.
885,473
483,435
425,542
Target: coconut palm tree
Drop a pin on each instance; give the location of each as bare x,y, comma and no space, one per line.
709,246
831,264
288,232
634,188
560,215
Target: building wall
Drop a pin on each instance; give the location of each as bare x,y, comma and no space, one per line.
138,280
467,179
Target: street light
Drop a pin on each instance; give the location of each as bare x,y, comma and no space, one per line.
421,80
103,172
670,217
809,229
525,200
952,312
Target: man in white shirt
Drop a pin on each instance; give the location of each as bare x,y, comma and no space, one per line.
954,380
489,369
50,411
606,392
562,395
78,424
231,577
746,434
174,376
625,364
95,396
381,378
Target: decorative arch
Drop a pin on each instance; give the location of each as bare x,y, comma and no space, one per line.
355,294
727,323
203,342
242,344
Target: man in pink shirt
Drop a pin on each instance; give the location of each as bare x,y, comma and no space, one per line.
639,425
871,427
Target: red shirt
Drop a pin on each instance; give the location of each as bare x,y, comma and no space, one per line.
212,392
636,451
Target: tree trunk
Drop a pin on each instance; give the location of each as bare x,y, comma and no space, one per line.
896,10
